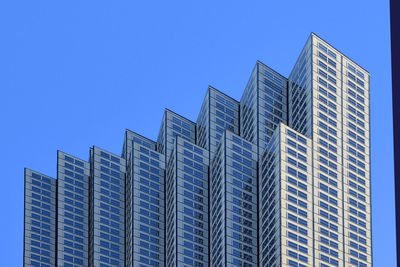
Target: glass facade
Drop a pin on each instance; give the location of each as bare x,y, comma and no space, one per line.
233,208
299,94
356,165
218,112
127,153
327,118
187,205
174,125
72,211
285,191
107,209
39,220
148,206
131,137
281,178
329,103
263,105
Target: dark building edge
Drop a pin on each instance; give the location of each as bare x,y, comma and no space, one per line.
395,55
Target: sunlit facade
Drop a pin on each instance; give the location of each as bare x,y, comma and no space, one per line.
279,178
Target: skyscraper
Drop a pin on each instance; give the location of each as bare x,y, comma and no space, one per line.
233,208
187,205
106,209
218,112
174,125
263,105
72,210
40,224
279,178
144,205
285,190
329,103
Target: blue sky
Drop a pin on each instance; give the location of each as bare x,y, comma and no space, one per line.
77,73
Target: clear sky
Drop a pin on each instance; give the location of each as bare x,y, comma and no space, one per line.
78,73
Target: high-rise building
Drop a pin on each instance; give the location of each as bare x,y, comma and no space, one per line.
285,209
106,209
218,112
279,178
233,208
263,105
187,205
144,201
72,210
40,226
174,125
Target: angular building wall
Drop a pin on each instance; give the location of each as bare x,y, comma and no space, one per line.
187,205
148,206
329,102
107,209
285,201
130,137
233,208
356,164
280,179
127,150
72,210
299,92
263,105
39,219
218,112
174,125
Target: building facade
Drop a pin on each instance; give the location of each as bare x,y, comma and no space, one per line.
40,224
218,112
285,191
263,105
279,178
233,208
107,209
187,205
72,210
329,103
